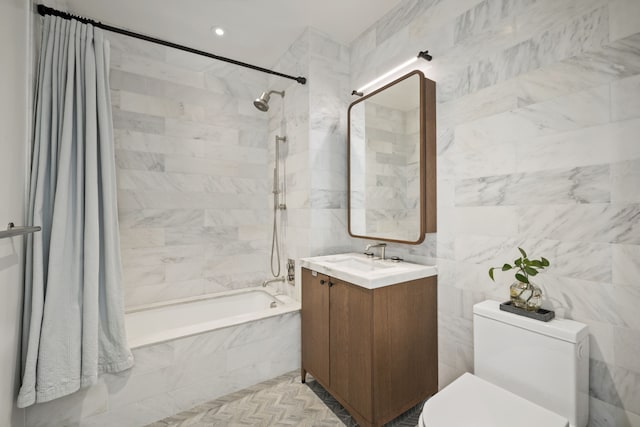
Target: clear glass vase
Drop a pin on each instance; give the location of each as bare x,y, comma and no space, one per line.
526,295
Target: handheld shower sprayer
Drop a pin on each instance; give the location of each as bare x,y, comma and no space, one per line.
277,205
262,104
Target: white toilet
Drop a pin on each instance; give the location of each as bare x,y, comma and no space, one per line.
527,373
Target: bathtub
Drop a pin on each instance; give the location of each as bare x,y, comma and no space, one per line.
187,352
155,323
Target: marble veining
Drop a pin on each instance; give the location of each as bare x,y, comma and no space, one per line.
399,17
604,223
590,184
187,152
615,385
173,376
537,146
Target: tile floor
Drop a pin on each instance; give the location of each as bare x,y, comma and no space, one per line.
282,401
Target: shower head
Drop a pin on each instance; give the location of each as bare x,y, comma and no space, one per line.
262,103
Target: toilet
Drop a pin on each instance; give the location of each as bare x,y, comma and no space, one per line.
527,373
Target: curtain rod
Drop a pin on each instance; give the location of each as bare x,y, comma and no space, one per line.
44,10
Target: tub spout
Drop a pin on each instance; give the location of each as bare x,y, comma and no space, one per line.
277,279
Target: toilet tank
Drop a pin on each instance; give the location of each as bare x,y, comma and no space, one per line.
544,362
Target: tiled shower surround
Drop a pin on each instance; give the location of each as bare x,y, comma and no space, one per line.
316,122
191,154
191,168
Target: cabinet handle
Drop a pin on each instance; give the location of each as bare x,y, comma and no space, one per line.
322,282
331,284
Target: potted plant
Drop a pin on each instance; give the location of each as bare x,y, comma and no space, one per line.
523,293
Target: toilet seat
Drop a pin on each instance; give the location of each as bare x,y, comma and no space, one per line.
470,401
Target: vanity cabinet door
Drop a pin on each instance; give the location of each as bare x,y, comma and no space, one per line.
351,343
374,350
315,325
405,350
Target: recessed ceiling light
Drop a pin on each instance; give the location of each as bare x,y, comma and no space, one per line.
219,31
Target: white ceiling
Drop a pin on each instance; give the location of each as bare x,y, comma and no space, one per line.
257,31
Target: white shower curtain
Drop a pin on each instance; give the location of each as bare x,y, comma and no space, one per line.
73,308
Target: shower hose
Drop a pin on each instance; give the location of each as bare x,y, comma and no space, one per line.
275,247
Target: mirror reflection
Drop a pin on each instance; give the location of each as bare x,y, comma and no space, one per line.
385,143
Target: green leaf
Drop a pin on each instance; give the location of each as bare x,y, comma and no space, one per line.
526,261
545,262
524,254
518,262
506,267
536,263
521,278
491,274
531,271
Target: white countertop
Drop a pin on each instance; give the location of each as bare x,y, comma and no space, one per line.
367,272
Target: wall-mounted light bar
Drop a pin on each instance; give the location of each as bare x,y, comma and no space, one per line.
424,55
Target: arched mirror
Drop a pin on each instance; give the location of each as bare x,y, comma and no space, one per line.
392,161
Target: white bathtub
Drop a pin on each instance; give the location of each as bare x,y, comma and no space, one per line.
187,352
155,323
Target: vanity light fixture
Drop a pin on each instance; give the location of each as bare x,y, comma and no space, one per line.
423,54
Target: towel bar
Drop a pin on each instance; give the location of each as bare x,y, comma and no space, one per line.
12,230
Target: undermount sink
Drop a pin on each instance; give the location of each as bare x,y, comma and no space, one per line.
351,262
367,272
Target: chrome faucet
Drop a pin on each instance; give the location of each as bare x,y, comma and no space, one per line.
277,279
382,247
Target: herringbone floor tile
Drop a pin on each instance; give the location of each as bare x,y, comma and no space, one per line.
282,401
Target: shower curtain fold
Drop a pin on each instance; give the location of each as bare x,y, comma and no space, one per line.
73,320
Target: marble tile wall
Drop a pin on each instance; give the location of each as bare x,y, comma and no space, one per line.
191,167
538,122
328,101
290,117
313,117
177,375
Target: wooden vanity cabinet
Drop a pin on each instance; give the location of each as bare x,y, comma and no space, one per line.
315,325
374,350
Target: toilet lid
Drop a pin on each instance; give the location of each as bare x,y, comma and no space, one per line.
470,401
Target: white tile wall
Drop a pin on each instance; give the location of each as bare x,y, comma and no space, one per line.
537,117
191,168
313,117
